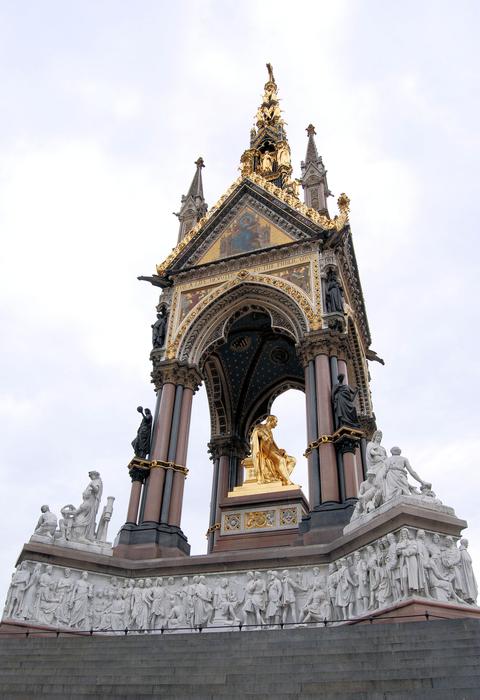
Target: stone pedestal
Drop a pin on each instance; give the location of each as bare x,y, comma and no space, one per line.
260,515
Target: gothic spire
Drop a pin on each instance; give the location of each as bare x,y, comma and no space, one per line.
314,176
269,152
193,205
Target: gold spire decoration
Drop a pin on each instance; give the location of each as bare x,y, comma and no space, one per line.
267,164
269,152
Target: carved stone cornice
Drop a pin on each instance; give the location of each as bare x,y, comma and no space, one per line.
228,445
323,342
173,372
368,425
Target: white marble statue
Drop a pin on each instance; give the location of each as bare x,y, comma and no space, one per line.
84,520
396,471
376,454
46,526
387,480
77,527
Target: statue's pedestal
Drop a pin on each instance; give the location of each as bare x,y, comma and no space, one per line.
260,515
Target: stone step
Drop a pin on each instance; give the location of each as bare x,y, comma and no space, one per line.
270,676
157,657
437,659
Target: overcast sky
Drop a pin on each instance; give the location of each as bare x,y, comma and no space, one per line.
104,107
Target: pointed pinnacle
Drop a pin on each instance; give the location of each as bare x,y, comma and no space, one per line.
311,130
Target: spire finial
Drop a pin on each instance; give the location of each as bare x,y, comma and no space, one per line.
193,204
269,152
314,176
271,79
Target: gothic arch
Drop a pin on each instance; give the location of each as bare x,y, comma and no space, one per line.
287,307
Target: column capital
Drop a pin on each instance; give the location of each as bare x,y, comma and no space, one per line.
228,446
346,439
138,473
323,342
173,372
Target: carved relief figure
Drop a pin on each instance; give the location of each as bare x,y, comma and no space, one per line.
30,598
202,602
345,594
255,599
273,612
317,607
225,602
469,583
407,550
48,604
20,579
289,588
82,595
159,608
270,462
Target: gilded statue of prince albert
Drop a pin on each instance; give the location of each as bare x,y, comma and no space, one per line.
269,462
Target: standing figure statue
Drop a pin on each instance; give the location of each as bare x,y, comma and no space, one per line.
83,521
343,397
159,329
270,462
376,453
333,294
141,444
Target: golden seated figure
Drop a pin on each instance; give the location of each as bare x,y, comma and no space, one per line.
269,467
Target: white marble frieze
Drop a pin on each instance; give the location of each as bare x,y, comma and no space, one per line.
409,562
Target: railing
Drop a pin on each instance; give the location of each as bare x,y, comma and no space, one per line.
45,632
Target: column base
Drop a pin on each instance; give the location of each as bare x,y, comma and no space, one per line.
150,541
326,522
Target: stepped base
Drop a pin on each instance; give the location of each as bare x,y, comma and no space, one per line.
435,660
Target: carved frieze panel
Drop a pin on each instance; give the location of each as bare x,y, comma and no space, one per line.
248,519
406,563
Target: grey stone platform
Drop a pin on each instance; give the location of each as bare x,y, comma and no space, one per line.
434,659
